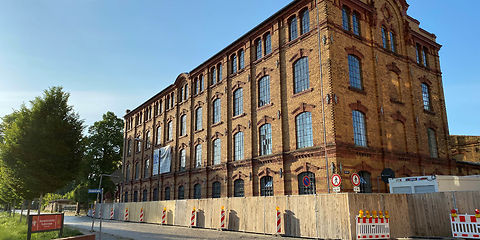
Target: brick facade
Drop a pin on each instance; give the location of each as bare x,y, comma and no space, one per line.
466,152
390,99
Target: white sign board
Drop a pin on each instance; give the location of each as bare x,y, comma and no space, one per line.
356,189
336,189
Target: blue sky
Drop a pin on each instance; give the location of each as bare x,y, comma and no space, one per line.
112,55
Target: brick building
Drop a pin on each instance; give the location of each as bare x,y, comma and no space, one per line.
466,152
261,117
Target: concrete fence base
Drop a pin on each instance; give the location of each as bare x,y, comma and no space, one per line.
328,216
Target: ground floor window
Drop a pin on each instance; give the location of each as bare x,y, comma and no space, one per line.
197,191
238,190
216,189
135,196
365,182
266,186
155,194
306,183
145,196
181,192
167,193
126,197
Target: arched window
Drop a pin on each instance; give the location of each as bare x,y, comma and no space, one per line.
125,199
217,151
258,49
359,129
135,196
267,39
216,111
233,62
432,143
198,119
216,189
167,193
264,91
238,102
393,42
129,147
346,18
137,170
183,159
200,83
159,135
241,56
305,22
266,186
304,130
301,78
265,139
418,51
238,146
426,97
183,125
198,155
213,76
185,93
139,146
292,28
306,183
365,182
197,191
238,190
155,194
181,192
169,131
354,72
424,55
219,73
356,23
144,195
146,169
127,172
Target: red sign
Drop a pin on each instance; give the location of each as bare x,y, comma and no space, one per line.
336,180
47,222
355,180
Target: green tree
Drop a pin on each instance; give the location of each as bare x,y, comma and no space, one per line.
42,147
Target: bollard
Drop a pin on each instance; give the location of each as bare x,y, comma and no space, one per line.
141,214
222,218
192,219
93,213
279,222
111,213
164,213
125,218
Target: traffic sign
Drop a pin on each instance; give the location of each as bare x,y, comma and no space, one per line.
356,189
336,180
336,189
306,181
94,190
355,179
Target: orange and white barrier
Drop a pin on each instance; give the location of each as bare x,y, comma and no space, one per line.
192,219
111,213
464,225
278,222
222,218
141,214
164,215
125,218
373,227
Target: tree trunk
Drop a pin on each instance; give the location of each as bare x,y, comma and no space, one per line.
28,208
13,208
21,211
40,204
9,210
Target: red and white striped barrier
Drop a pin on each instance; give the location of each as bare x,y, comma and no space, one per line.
111,213
278,222
93,212
192,219
141,214
373,227
222,218
125,217
464,225
164,215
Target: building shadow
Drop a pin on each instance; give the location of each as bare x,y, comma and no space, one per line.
291,224
233,221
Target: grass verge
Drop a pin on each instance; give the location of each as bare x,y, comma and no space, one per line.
11,229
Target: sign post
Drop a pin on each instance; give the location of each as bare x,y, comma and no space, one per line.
355,178
336,181
45,223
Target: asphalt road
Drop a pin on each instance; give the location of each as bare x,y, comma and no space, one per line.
145,231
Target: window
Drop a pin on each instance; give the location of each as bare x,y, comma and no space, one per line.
197,191
185,92
426,97
139,145
241,56
301,79
167,103
135,196
258,49
393,42
216,111
234,63
173,100
432,143
304,130
183,159
264,91
238,188
266,186
144,195
195,86
418,51
268,43
238,102
292,29
305,23
198,119
148,143
365,182
181,192
219,76
356,23
424,55
216,190
200,84
265,139
146,169
169,131
167,193
384,38
137,170
359,131
238,146
217,151
306,183
126,197
214,76
183,125
129,147
198,155
180,94
155,194
160,107
354,72
159,135
127,172
346,19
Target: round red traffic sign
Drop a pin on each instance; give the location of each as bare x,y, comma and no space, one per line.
306,181
336,180
355,179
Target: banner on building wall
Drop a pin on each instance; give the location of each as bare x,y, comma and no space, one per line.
165,159
156,161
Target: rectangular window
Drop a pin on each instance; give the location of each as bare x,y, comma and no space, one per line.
183,159
393,42
170,131
424,55
234,63
346,19
258,49
219,76
183,125
217,151
238,102
216,111
238,146
356,24
195,86
201,83
214,76
264,91
301,78
384,38
198,119
198,155
426,97
241,55
268,43
418,53
354,72
432,143
292,29
359,130
265,139
159,135
305,21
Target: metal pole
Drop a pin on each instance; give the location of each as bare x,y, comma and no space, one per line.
101,203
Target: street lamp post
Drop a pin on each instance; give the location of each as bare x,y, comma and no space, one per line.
100,197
